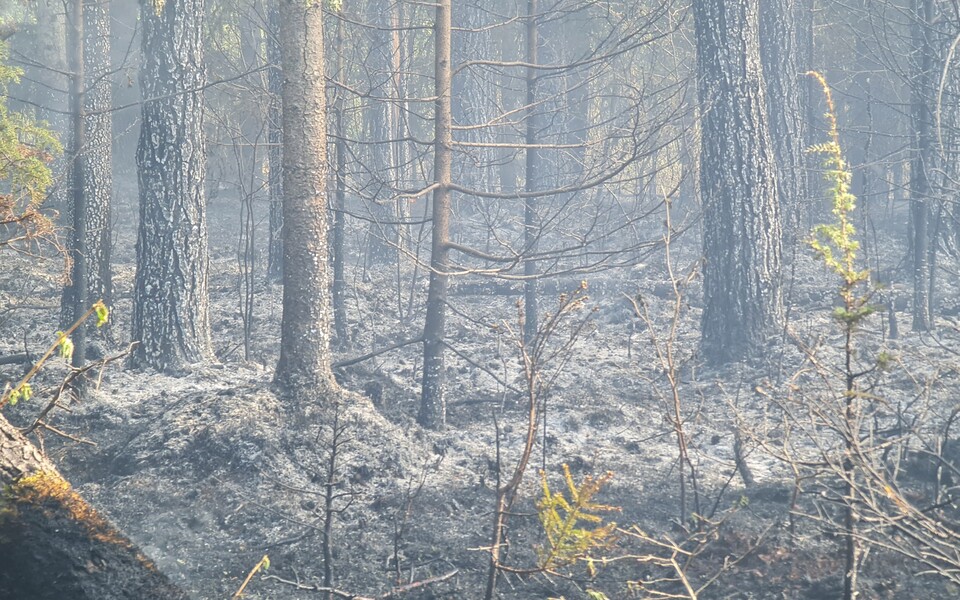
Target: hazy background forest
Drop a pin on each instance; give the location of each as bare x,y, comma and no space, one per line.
518,299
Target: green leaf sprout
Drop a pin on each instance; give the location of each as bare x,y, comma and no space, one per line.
64,345
102,312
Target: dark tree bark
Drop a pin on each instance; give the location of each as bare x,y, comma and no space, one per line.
75,293
55,546
433,409
275,139
922,165
304,368
99,163
92,168
778,46
170,305
741,230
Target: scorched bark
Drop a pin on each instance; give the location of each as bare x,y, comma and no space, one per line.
304,367
433,408
741,229
170,305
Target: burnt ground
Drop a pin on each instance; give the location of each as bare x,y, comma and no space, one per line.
209,471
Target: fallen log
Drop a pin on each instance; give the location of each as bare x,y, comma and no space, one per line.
56,546
15,359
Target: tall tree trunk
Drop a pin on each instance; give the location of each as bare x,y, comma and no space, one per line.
55,546
950,178
921,192
340,201
99,162
778,46
741,231
304,368
531,219
433,409
804,11
170,305
91,174
75,293
275,140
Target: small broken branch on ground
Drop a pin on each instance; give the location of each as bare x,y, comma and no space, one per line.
393,594
67,383
359,359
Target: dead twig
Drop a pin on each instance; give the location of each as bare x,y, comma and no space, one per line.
359,359
65,335
391,595
66,435
67,383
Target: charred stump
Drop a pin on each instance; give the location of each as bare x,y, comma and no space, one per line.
55,546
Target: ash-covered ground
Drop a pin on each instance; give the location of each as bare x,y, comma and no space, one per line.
210,471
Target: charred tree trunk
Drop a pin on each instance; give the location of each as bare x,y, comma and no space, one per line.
56,546
433,409
921,191
741,231
91,173
304,368
778,46
275,140
170,306
75,293
98,101
804,11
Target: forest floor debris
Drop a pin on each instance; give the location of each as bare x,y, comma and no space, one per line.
207,472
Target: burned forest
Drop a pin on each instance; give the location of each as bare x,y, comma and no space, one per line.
480,299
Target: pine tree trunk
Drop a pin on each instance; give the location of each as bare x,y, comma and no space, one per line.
55,546
304,368
433,410
91,171
275,139
921,192
170,305
340,202
804,15
75,292
778,45
741,239
99,162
